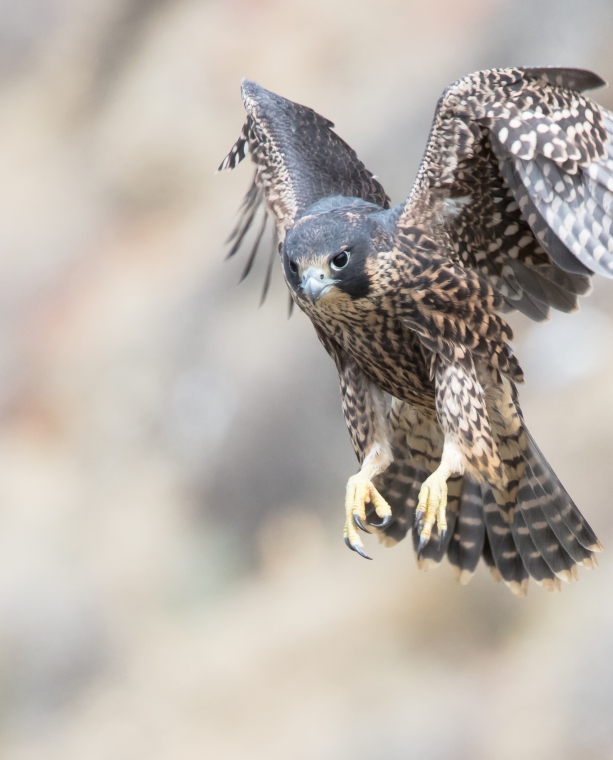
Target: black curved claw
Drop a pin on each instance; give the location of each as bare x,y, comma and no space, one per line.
441,539
358,522
384,523
422,544
361,552
419,513
357,549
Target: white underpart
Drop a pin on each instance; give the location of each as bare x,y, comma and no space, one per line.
377,460
452,457
453,207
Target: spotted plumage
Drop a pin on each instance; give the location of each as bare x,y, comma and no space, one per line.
512,209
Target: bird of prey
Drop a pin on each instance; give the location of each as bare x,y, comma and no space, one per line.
512,209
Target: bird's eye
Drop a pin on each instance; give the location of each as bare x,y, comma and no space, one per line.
293,267
341,260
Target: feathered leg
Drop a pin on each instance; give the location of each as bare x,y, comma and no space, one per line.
365,411
469,444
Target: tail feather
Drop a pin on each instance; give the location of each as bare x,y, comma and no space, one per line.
579,553
466,542
531,498
488,558
532,558
568,513
504,552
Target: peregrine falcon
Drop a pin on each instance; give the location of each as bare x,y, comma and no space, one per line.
512,209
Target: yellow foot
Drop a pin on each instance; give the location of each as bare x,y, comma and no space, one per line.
360,491
431,506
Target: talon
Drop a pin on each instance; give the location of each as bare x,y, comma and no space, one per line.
422,543
356,548
384,523
360,491
359,523
361,552
431,505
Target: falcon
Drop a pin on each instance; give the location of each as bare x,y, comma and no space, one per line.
511,210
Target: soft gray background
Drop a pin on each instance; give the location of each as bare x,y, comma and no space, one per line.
173,582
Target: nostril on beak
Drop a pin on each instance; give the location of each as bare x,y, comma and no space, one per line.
315,283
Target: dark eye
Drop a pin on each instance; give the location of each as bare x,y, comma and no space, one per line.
293,267
341,260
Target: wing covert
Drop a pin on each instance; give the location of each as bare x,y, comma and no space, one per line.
517,178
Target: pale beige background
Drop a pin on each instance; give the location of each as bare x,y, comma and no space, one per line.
173,582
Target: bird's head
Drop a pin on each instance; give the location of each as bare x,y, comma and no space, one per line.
330,249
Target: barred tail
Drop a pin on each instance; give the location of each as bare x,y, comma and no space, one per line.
531,530
543,535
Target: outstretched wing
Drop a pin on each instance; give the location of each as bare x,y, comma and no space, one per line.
517,180
299,159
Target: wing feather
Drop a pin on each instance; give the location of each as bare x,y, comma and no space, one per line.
298,159
517,181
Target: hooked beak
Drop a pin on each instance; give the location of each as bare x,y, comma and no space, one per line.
315,283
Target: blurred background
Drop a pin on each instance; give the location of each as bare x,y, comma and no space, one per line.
173,581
